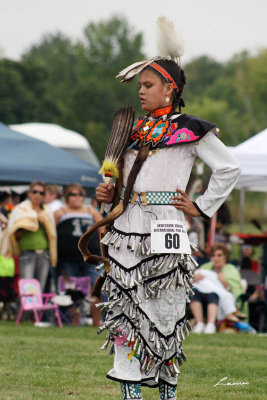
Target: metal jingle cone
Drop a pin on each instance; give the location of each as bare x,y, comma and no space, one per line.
176,369
106,238
131,282
171,345
152,293
154,284
136,283
133,245
183,356
193,261
152,336
129,242
156,378
139,301
111,351
180,279
149,352
186,331
188,325
167,370
143,365
125,304
138,249
177,260
179,338
105,304
150,367
162,264
139,350
157,264
117,272
139,277
180,361
166,348
181,333
147,248
163,284
105,345
143,248
117,245
171,263
113,239
128,340
177,346
193,246
169,282
143,354
158,343
99,267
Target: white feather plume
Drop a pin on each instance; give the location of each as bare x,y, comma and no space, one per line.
169,39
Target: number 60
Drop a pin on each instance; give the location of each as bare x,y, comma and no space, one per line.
172,241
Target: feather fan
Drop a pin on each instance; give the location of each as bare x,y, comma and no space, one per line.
119,137
169,39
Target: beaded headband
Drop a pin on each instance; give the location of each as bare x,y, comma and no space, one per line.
166,75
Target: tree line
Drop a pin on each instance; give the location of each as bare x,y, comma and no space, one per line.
72,84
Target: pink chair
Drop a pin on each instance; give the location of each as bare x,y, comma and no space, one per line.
31,298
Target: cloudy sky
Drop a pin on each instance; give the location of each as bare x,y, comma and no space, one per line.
219,28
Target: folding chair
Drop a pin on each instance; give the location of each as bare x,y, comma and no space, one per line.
78,288
31,298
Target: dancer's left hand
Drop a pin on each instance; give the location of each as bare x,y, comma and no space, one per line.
182,202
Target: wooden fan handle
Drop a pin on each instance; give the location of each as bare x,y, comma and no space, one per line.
107,179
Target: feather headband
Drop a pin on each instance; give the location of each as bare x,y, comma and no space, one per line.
170,45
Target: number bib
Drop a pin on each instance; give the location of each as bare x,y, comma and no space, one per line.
169,236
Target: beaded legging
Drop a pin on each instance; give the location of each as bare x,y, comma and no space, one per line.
133,391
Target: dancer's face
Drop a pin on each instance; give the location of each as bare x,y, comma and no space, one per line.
153,92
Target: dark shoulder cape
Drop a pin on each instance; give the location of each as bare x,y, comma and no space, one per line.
182,129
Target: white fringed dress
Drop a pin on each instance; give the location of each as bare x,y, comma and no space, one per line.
145,314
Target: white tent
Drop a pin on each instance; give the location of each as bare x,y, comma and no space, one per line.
57,136
252,156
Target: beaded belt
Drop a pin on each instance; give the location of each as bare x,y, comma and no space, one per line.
151,198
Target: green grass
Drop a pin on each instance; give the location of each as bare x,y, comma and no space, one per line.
57,364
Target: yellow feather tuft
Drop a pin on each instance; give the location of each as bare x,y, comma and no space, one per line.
109,168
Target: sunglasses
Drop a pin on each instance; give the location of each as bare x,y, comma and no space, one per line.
76,194
38,192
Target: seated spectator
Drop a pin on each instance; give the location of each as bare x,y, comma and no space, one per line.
217,292
73,220
53,194
32,235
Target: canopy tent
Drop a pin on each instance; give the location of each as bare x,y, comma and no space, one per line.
24,159
252,156
57,136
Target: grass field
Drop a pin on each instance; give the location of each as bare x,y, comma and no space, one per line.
57,364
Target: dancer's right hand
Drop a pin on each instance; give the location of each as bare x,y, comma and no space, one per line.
105,192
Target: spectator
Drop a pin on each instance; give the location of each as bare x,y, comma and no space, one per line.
33,235
73,220
229,279
52,197
5,200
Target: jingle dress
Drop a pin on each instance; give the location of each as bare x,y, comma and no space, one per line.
145,314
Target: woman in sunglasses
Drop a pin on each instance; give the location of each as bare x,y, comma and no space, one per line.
33,235
73,220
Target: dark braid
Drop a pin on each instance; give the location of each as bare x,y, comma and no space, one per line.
177,75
